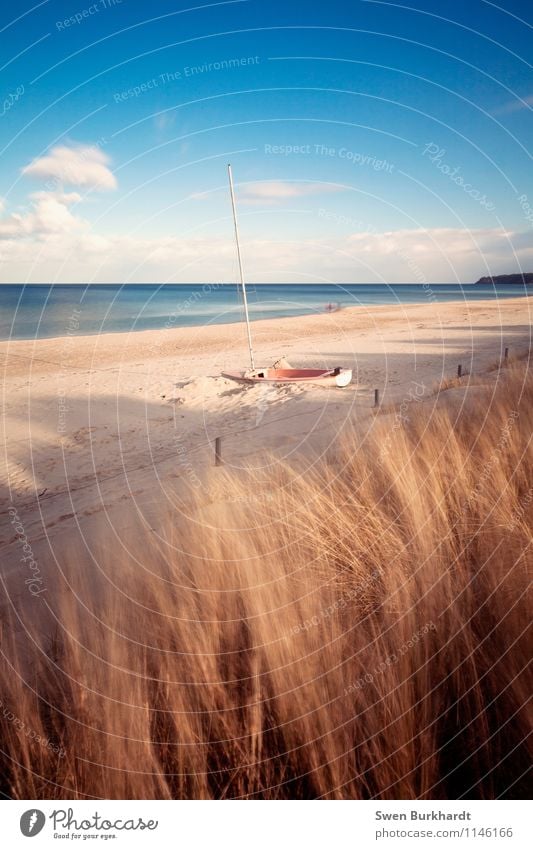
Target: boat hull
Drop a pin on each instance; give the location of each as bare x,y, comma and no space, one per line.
322,377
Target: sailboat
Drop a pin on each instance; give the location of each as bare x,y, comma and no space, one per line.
324,377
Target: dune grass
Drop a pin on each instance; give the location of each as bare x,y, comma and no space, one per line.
360,631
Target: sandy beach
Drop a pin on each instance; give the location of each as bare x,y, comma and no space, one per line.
102,426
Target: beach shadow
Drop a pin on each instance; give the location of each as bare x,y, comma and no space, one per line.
124,451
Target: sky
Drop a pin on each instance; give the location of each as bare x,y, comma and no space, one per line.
370,141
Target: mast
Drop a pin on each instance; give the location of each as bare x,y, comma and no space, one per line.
241,274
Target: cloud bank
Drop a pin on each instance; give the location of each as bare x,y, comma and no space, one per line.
50,241
85,166
437,255
49,213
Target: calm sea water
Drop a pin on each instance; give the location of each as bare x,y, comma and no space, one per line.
39,311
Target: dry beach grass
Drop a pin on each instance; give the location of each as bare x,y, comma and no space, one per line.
357,632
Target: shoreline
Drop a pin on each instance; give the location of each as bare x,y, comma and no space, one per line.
342,316
248,283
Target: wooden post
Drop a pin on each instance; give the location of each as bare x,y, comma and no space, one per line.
218,451
506,354
376,397
459,370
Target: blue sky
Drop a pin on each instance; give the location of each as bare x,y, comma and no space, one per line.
369,140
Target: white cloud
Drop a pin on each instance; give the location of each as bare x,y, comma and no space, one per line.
277,191
83,165
49,213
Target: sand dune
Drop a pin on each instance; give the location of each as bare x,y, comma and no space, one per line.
359,631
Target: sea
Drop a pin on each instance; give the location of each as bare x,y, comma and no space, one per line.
38,311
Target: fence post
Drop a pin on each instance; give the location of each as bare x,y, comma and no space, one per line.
376,397
218,451
506,354
459,370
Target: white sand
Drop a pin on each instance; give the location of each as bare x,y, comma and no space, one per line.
96,423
